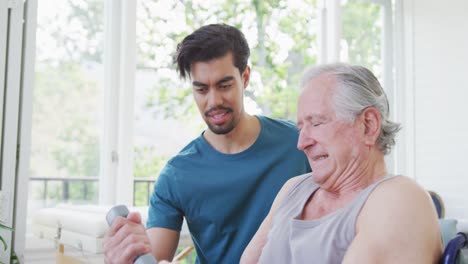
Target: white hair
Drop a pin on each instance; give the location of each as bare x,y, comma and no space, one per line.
357,88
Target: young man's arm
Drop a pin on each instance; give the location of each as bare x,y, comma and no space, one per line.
165,215
164,242
398,224
254,249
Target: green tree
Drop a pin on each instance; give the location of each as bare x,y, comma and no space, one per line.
148,163
362,31
281,45
66,139
270,26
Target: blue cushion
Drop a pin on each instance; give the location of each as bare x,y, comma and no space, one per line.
448,227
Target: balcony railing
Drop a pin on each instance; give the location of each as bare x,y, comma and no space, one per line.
86,190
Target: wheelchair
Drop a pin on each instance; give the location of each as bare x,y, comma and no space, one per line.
454,244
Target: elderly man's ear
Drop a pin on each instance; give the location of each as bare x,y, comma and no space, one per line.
371,121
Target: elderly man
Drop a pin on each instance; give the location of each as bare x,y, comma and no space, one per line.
349,209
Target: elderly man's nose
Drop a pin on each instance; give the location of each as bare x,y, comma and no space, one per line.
305,139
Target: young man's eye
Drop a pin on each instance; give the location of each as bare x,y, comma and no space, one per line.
225,86
200,90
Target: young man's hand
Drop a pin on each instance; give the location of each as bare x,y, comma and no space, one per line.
125,240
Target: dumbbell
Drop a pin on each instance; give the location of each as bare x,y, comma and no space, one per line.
121,210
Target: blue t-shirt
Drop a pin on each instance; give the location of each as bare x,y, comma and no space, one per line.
225,197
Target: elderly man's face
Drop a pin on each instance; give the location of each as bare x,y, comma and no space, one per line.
332,145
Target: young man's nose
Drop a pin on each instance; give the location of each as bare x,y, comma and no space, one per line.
214,98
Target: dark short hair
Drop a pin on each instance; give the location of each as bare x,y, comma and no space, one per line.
211,42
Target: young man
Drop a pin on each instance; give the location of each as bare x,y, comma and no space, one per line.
224,181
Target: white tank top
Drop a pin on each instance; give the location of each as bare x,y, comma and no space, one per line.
324,240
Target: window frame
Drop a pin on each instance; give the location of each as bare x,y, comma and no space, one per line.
116,173
404,91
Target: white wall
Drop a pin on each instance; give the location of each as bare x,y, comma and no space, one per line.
17,59
440,81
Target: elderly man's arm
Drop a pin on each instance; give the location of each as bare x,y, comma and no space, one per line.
254,249
398,224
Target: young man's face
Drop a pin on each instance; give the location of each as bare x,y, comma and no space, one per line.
218,89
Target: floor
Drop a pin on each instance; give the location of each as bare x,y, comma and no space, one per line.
43,251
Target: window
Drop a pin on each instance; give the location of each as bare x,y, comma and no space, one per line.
67,113
361,41
77,106
367,39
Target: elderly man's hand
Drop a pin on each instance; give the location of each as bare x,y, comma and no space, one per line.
125,240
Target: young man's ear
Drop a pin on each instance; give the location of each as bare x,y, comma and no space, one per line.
372,123
246,76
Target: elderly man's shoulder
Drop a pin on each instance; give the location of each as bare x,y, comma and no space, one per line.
399,215
399,196
400,188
